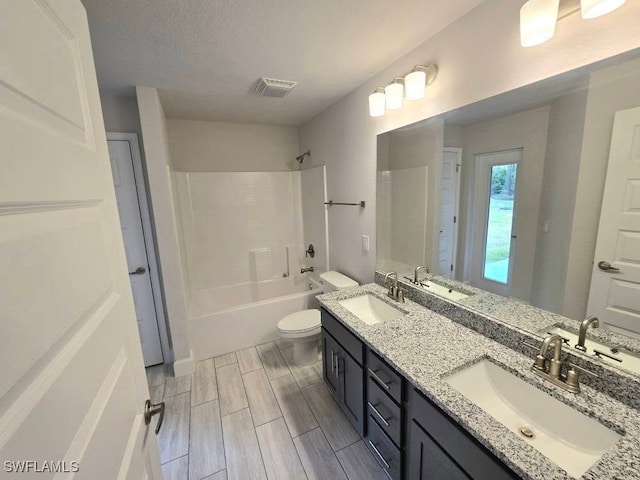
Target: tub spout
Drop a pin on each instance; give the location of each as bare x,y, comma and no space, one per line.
305,270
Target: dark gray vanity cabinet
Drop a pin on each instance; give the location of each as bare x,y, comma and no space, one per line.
440,450
342,361
409,436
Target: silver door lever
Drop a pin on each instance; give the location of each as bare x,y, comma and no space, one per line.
606,267
138,271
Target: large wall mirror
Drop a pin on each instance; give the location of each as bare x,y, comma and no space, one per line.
524,194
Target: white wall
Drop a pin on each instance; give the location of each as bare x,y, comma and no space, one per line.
610,90
153,121
228,216
557,202
199,146
478,56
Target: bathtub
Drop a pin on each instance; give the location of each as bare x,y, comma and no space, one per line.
230,318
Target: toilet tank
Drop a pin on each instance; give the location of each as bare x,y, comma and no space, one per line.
333,281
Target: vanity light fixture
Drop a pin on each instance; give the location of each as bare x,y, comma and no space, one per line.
538,20
597,8
377,103
420,77
393,94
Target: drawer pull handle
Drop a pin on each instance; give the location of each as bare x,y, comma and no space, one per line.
377,452
378,379
375,410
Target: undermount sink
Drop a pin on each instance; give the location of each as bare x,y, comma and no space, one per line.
446,292
370,309
613,356
565,436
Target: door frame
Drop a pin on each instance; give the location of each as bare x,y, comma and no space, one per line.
480,227
149,237
458,173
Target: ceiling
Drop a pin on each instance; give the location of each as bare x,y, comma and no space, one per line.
205,56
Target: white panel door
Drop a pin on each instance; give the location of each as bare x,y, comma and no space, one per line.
130,210
615,291
72,383
449,187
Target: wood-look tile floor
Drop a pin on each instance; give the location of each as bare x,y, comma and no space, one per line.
253,414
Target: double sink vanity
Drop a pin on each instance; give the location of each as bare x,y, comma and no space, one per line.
439,388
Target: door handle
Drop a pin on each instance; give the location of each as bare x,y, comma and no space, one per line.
151,409
606,267
138,271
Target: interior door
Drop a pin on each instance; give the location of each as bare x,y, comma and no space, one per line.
130,210
449,187
495,220
72,383
615,283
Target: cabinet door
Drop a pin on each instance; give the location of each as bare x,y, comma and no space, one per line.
351,377
427,461
330,351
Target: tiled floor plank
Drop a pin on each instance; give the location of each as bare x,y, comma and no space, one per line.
305,375
294,406
249,360
176,469
176,385
231,389
274,364
280,457
244,460
359,464
334,424
206,449
226,359
317,457
173,438
204,387
262,402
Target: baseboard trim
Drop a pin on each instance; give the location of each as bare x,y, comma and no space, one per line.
184,366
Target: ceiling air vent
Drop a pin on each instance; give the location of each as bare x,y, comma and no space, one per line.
271,87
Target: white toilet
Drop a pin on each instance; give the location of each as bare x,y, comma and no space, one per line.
303,328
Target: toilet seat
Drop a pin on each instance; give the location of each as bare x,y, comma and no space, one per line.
303,323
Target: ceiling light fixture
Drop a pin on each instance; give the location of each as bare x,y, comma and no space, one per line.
416,81
597,8
377,103
538,21
393,94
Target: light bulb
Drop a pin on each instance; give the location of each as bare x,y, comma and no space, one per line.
393,95
376,104
538,21
597,8
414,84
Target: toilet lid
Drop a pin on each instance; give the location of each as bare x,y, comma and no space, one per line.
300,321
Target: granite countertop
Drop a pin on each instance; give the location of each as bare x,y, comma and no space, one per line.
426,347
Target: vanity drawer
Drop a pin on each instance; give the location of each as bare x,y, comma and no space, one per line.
473,458
384,410
385,376
383,449
348,340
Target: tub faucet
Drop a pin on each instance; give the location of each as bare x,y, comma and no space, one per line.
305,270
417,271
584,326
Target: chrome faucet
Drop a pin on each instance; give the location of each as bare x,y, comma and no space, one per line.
305,270
417,271
551,370
394,291
584,326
